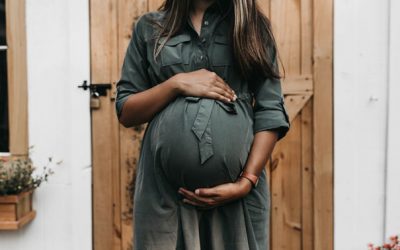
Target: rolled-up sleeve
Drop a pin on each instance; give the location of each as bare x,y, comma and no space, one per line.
134,76
269,107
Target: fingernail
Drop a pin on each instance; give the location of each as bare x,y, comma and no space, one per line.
197,191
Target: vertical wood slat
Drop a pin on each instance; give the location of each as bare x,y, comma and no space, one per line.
114,133
323,120
17,77
286,190
106,202
265,7
293,30
129,138
306,13
154,4
286,25
307,176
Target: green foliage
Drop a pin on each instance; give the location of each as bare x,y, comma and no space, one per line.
17,175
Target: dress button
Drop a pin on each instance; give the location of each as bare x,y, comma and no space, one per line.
206,22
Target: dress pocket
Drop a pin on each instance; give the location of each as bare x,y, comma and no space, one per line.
221,56
173,50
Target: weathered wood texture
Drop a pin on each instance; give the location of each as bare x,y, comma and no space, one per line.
105,138
16,210
323,123
17,76
300,174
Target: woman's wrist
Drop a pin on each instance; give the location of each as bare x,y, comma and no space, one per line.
244,184
174,84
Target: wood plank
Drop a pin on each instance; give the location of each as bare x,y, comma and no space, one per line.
286,191
116,173
129,138
265,7
300,84
14,198
154,4
306,37
294,104
8,212
107,229
323,124
14,225
307,176
286,26
17,76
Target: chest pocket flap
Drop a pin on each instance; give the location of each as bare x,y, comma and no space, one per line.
172,52
222,52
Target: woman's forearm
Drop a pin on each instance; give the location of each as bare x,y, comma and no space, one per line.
140,107
261,149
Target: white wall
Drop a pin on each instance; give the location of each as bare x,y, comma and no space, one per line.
393,134
59,126
366,45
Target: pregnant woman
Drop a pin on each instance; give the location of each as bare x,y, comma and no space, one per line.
204,75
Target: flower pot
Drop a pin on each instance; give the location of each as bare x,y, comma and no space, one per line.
16,210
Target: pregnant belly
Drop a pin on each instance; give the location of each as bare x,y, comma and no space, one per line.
202,142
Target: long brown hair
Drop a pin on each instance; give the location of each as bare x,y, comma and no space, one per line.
254,45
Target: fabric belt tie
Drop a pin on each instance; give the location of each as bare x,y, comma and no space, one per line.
202,123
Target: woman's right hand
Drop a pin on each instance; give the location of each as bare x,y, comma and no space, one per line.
204,83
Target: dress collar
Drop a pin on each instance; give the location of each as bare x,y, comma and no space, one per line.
219,7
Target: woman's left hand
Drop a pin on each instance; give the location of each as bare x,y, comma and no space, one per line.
218,195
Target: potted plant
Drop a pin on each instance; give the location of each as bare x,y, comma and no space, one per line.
18,180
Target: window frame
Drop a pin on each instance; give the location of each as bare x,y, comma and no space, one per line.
16,79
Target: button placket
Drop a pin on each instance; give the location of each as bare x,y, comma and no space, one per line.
203,40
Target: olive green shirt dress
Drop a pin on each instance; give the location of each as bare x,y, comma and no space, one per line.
198,142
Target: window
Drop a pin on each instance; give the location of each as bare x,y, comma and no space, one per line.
13,82
4,131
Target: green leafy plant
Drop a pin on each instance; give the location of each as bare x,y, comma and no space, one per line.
17,175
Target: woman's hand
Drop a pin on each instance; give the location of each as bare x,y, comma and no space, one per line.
204,83
218,195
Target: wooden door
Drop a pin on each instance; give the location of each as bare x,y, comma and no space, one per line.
301,171
300,174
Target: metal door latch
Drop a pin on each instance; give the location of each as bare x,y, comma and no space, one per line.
96,90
